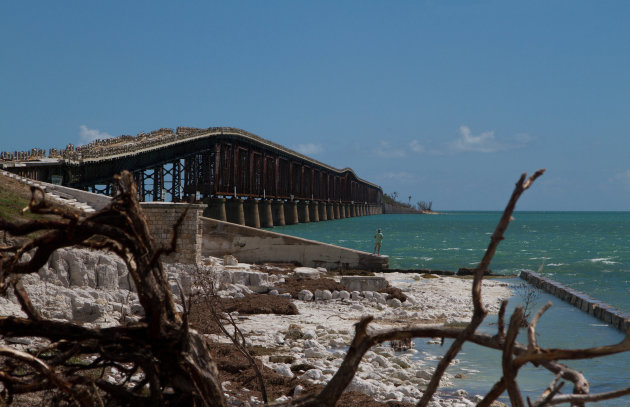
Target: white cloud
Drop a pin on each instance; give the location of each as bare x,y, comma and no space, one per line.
308,149
483,143
416,147
87,135
385,150
486,142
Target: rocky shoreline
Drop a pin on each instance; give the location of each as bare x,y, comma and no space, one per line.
93,288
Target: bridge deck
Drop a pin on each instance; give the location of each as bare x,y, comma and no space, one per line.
209,165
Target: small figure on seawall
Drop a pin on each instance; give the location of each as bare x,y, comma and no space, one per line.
378,239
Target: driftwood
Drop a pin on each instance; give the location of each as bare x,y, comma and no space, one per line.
176,363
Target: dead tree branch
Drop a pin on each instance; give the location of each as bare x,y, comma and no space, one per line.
479,312
176,363
169,355
509,370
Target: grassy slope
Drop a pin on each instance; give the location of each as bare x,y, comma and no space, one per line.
14,197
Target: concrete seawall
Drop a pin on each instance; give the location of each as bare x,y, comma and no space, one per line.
253,245
591,306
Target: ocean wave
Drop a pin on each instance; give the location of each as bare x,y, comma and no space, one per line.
555,264
451,248
603,260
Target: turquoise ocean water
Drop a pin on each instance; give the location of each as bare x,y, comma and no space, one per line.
589,251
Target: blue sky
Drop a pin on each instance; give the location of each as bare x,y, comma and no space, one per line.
446,101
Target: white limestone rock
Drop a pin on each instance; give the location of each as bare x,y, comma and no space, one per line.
362,386
309,334
284,370
394,303
425,374
306,273
314,353
379,298
393,395
337,342
323,295
312,344
313,374
305,295
229,260
380,361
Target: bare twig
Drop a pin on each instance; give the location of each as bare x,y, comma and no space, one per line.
509,370
532,346
501,320
479,312
549,393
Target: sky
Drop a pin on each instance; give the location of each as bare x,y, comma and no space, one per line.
441,101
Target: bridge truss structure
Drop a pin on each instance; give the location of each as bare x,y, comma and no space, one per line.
201,164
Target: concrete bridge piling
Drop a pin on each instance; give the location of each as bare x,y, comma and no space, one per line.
252,217
215,209
277,208
303,212
313,211
266,215
291,213
235,211
323,212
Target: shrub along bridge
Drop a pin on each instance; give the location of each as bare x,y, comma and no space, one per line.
243,178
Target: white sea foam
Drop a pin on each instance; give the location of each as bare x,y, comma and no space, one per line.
603,260
451,248
555,265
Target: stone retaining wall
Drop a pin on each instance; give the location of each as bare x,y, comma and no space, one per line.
161,216
251,245
591,306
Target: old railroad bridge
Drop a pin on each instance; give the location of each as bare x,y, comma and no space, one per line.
242,177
